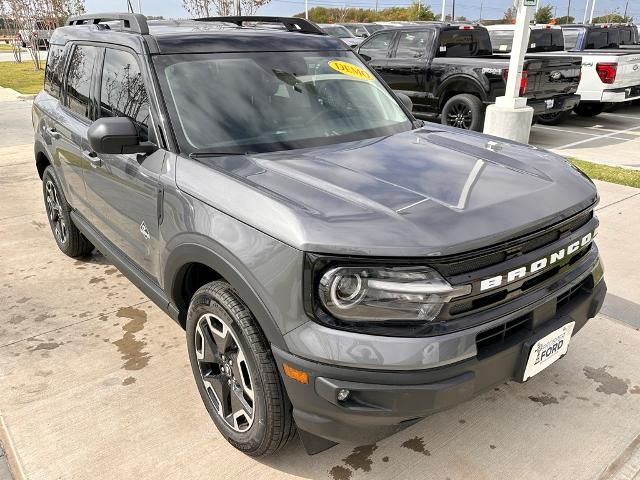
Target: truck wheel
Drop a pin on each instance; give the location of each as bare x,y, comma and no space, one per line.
590,109
463,111
235,372
553,118
69,239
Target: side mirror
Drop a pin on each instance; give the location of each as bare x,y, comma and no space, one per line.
117,135
406,101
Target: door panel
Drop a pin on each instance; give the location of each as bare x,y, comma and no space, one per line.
124,189
69,128
375,51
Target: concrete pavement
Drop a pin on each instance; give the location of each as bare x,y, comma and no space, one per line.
96,382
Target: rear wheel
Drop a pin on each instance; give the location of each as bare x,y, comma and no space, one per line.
235,372
553,118
69,239
463,111
589,109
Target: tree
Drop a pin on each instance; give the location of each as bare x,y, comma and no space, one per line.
544,14
420,11
510,15
461,18
564,20
208,8
414,11
613,17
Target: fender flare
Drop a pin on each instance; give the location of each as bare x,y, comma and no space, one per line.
462,78
196,248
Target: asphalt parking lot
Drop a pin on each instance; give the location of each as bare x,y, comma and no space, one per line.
96,384
612,137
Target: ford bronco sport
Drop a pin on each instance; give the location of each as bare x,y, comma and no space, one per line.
341,269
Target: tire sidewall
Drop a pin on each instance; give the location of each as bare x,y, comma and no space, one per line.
251,440
473,103
50,175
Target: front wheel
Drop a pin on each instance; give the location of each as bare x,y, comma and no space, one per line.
463,111
235,372
553,118
589,109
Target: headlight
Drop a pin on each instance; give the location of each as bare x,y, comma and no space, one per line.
381,293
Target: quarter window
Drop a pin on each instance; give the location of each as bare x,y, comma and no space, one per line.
79,78
122,93
414,44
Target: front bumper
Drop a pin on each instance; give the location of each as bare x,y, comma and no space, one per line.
382,402
561,103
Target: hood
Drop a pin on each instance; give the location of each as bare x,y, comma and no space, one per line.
431,191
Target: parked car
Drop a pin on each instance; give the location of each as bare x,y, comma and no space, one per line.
450,70
339,267
599,37
363,30
542,39
610,75
342,33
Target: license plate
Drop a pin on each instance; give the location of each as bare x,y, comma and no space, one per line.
549,103
548,349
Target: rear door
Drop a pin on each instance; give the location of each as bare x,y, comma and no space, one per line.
407,68
73,120
123,190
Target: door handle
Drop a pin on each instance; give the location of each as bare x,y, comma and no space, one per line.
53,133
92,157
377,67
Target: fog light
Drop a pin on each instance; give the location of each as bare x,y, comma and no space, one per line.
343,394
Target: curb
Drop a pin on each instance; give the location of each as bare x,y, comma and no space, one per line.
10,452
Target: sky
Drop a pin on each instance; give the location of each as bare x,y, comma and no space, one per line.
468,8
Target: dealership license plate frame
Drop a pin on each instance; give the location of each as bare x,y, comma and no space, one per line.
534,364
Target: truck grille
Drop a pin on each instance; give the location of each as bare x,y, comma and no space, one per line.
527,248
531,243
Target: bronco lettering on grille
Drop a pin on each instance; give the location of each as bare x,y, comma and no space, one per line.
538,265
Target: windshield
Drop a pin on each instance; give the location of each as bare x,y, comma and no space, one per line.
268,101
374,28
337,31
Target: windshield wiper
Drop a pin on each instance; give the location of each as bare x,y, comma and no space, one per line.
217,154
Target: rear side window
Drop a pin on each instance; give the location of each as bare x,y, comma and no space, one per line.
414,44
626,36
53,73
456,43
546,40
122,93
501,40
377,47
79,78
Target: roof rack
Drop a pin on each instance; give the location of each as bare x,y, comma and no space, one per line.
133,22
292,24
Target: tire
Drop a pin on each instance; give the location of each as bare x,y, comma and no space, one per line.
69,239
589,109
463,111
261,421
553,118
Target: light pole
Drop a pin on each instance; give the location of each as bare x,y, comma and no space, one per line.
442,15
306,9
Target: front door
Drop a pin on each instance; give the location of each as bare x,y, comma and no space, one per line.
124,189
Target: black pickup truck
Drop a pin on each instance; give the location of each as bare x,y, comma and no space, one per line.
449,69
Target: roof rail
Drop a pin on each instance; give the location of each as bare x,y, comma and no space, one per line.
133,22
292,24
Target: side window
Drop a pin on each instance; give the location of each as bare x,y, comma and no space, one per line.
414,44
53,73
79,78
377,47
122,93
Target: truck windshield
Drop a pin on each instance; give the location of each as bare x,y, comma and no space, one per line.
464,42
269,101
337,31
540,40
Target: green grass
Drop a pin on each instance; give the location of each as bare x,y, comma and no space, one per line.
5,47
607,173
22,77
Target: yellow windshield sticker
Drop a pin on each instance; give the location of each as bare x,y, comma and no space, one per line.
350,69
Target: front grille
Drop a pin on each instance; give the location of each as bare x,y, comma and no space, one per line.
498,254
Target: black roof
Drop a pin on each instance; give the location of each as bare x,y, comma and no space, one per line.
194,36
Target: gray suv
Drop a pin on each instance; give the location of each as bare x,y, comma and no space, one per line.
341,269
